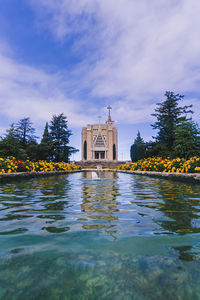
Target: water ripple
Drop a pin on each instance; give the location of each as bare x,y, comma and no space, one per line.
115,204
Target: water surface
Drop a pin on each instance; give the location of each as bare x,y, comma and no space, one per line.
99,236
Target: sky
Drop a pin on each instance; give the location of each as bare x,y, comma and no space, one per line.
78,56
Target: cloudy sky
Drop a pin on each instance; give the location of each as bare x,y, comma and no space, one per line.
78,56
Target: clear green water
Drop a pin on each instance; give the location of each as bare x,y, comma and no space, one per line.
119,236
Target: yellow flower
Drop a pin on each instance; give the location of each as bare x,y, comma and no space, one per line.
197,169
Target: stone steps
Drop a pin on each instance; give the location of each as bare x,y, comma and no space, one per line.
94,164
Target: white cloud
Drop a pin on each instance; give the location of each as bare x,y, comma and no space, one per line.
27,91
131,53
134,50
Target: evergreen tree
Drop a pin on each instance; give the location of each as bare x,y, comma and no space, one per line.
114,151
153,149
10,146
25,132
169,115
45,137
137,150
32,150
85,150
59,136
187,139
45,147
27,139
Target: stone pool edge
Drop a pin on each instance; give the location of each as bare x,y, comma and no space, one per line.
18,175
186,177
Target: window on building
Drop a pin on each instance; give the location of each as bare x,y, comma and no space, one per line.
99,141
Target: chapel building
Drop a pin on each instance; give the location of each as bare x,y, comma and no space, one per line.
99,141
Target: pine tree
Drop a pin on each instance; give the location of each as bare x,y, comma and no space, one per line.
169,115
137,150
27,139
59,136
45,147
25,132
187,139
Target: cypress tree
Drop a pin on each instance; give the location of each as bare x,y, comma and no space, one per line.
114,151
85,150
45,147
137,150
45,137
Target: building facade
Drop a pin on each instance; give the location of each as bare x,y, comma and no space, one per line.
99,141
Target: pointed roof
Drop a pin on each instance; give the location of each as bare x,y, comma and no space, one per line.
99,142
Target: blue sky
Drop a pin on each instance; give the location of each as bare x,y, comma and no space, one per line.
78,56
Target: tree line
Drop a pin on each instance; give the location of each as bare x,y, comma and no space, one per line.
20,141
177,134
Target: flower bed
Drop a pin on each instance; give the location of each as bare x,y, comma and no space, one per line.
158,164
11,165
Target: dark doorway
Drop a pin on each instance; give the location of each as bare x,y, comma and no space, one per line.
99,155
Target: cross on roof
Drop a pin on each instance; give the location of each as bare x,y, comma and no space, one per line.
99,117
109,108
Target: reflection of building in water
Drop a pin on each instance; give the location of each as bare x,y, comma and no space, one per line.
99,200
100,174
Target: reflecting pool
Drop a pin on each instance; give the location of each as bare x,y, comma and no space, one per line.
102,235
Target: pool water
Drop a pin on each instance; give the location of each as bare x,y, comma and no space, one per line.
102,235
